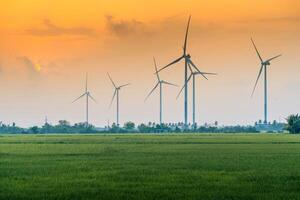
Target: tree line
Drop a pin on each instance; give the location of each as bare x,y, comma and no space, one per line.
292,126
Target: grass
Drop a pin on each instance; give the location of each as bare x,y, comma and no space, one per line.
141,167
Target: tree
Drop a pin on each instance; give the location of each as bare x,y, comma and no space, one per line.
114,128
177,129
63,127
293,124
63,123
46,128
143,128
34,129
129,126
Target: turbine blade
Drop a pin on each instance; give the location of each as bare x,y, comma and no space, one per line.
190,61
168,83
124,85
86,82
111,80
157,75
92,98
151,91
207,73
189,65
79,98
256,50
184,85
273,58
261,68
186,36
175,61
113,98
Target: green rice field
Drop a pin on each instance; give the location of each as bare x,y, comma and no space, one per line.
185,166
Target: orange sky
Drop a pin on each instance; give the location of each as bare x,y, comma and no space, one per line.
47,46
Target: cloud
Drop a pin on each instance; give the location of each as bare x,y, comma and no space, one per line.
275,19
32,67
51,68
123,28
272,19
137,29
50,29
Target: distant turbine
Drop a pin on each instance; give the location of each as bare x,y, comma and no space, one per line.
159,83
264,65
187,60
88,95
193,74
117,89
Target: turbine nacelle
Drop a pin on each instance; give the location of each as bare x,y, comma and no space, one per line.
163,82
187,56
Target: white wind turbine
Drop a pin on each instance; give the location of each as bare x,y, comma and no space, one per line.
88,95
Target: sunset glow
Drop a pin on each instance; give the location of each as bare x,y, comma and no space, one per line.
47,46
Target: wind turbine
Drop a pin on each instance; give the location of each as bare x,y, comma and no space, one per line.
160,84
193,75
116,93
187,61
88,95
264,65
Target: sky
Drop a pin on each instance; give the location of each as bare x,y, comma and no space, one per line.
47,47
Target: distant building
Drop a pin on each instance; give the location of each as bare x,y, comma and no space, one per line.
269,127
101,129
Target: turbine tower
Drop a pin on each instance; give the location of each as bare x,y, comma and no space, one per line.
116,93
187,61
193,76
160,84
264,65
88,95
